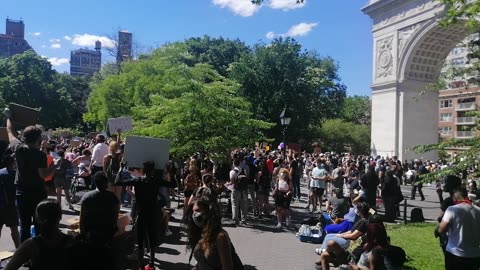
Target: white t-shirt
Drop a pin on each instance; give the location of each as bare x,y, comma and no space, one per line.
99,152
463,227
319,174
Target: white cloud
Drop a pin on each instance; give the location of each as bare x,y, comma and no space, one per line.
58,61
44,46
37,34
87,40
286,4
244,8
270,35
67,37
56,46
55,40
298,30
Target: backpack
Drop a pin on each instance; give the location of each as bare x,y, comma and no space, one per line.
394,258
416,215
241,182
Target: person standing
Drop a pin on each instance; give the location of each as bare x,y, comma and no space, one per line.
100,150
31,170
8,209
417,184
62,179
238,195
295,175
317,185
461,221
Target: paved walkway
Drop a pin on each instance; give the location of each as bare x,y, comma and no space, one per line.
259,245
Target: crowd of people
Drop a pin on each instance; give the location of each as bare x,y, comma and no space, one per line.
344,192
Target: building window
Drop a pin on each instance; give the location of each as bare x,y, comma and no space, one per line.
445,130
447,103
445,117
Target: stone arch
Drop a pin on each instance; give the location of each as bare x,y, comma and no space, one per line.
410,47
423,56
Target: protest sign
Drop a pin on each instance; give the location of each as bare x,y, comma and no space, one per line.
23,116
140,149
121,124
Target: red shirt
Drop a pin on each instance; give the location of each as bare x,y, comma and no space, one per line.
270,165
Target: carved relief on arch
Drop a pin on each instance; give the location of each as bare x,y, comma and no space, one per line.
404,35
384,57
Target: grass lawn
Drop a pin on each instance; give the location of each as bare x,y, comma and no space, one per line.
422,248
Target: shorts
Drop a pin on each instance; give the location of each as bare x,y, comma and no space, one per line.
62,183
9,216
282,200
318,191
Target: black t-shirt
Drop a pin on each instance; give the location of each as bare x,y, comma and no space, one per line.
99,210
147,191
28,162
361,225
294,167
7,188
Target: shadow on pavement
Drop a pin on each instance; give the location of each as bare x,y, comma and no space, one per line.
250,267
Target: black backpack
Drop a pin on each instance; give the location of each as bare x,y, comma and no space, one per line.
416,216
241,182
394,258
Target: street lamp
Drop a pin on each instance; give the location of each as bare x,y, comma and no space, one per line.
285,121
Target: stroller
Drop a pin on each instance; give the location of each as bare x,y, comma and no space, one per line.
79,183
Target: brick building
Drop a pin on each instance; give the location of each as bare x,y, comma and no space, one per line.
13,41
85,62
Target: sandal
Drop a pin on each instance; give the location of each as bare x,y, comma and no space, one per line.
319,251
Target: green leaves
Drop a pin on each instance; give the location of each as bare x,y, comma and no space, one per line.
340,136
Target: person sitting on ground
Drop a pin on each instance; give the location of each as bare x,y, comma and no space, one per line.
210,244
334,246
337,207
47,249
345,225
375,249
99,213
149,212
8,208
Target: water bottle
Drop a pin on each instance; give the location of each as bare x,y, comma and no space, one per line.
32,231
308,232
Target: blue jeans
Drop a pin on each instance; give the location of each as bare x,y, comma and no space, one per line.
344,243
26,205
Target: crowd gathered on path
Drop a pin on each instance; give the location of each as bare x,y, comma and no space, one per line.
345,193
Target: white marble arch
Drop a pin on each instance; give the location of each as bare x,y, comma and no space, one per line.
409,48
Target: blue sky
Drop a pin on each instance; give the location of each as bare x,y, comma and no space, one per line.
335,28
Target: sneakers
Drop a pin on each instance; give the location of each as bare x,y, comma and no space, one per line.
287,221
279,226
168,232
149,267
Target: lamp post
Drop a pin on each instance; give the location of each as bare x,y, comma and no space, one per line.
285,121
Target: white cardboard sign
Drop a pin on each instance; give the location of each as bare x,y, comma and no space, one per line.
122,123
140,149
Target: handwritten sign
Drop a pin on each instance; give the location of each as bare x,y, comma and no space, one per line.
140,149
120,124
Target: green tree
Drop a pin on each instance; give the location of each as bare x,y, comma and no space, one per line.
220,53
193,106
339,136
28,79
357,109
280,75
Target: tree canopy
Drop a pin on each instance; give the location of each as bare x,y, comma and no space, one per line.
28,79
357,109
340,136
282,75
193,106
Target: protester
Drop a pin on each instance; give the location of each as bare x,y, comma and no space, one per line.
8,209
111,165
31,169
461,221
375,249
62,179
238,194
99,213
46,250
100,150
191,180
209,243
149,212
317,184
263,190
283,195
